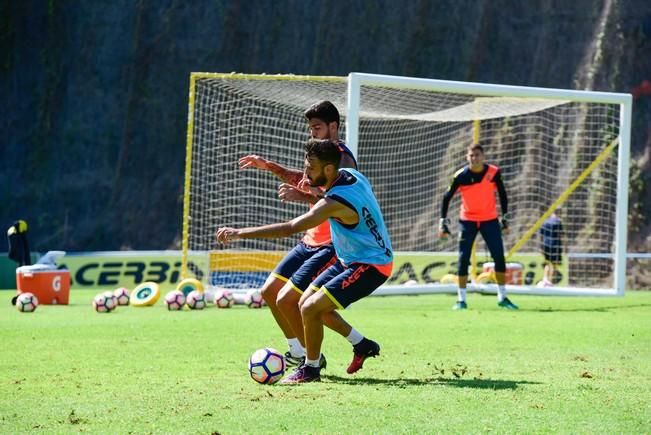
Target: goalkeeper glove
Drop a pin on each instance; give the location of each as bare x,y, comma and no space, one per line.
504,222
444,230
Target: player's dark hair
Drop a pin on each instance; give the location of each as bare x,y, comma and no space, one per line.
476,146
325,111
324,150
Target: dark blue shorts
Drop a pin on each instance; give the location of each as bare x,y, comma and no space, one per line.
303,264
492,234
345,285
552,254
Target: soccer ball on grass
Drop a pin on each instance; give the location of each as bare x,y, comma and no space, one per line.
175,300
105,302
253,299
122,296
267,366
196,300
26,302
224,299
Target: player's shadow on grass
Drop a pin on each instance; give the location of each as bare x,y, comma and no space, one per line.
483,384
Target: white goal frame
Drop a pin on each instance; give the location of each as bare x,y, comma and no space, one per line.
357,80
348,94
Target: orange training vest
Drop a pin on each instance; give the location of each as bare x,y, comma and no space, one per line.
478,200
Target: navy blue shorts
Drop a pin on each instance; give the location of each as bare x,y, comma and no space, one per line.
552,254
492,234
303,264
345,285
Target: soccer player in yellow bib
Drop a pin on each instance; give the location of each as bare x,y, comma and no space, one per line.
477,183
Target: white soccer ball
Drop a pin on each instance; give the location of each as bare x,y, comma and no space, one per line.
26,302
175,300
266,366
223,299
253,299
196,300
122,295
105,302
188,285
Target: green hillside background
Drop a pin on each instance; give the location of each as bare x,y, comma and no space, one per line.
94,93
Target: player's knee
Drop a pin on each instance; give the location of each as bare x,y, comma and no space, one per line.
287,299
270,289
310,309
269,295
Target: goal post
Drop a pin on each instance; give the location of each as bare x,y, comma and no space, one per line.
586,125
554,147
229,116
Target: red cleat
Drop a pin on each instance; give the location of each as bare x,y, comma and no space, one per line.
362,350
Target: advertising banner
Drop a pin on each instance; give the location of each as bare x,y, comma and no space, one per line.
112,269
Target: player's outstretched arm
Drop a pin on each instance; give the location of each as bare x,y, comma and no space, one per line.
290,176
302,192
321,211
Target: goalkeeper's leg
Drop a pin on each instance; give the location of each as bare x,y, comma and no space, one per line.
492,234
467,234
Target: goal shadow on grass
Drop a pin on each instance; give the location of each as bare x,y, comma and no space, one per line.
482,384
604,309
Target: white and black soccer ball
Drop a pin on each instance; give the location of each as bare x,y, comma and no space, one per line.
105,302
26,302
223,299
175,300
253,299
122,295
266,366
196,300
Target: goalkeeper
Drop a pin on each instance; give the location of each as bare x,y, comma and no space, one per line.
477,183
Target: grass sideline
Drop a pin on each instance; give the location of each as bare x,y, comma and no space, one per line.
559,365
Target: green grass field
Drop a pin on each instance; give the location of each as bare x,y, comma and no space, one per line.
559,365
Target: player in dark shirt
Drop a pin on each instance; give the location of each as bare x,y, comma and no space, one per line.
551,235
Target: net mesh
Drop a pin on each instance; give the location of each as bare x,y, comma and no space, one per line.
411,142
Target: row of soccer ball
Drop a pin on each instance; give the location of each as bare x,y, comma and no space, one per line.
266,366
176,300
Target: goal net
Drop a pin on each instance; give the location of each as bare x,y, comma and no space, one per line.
557,150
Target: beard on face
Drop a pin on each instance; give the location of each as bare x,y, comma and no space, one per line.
318,181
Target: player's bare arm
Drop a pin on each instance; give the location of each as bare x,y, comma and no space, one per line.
322,210
300,193
289,176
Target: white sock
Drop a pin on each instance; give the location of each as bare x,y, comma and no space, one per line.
295,347
312,362
354,337
501,293
461,293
